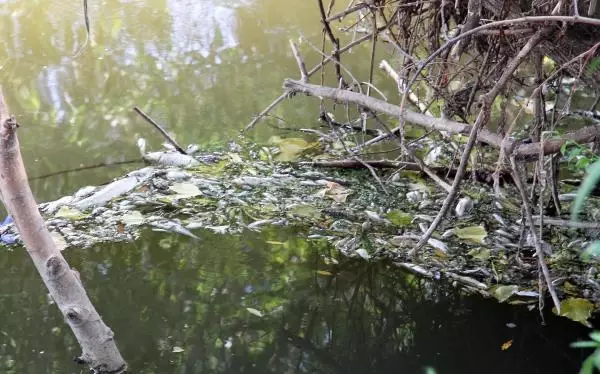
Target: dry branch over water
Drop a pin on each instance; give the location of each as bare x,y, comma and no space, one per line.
99,350
491,81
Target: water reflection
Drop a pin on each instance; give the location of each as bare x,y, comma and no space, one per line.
202,68
271,302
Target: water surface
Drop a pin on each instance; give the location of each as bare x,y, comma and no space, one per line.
272,302
256,303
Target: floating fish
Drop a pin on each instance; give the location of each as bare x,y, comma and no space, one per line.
114,189
171,159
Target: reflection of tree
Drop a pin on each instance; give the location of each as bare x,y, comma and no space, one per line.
166,291
202,67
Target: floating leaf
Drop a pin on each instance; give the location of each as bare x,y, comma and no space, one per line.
475,234
70,213
256,312
324,272
363,253
304,210
133,218
335,192
576,309
235,158
399,218
482,254
506,345
291,148
185,190
502,293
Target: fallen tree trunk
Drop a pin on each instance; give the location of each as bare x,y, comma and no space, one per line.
520,150
99,350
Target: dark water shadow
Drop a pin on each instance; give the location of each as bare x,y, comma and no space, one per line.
271,302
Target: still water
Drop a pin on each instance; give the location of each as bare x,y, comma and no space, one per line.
256,303
269,302
203,68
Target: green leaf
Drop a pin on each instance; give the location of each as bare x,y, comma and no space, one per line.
324,273
133,218
576,309
475,234
482,254
185,190
399,218
593,66
595,336
584,345
588,365
70,213
291,148
589,182
502,293
256,312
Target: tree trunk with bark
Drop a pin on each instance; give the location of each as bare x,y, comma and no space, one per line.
99,350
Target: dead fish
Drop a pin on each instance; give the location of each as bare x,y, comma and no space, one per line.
171,159
254,181
464,206
259,223
499,219
448,233
438,244
414,196
84,192
172,226
114,189
374,216
53,206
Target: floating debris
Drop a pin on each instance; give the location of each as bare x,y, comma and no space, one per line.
464,206
171,159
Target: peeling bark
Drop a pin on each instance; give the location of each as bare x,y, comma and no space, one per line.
99,350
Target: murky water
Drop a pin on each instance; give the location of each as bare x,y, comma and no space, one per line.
269,302
257,303
203,68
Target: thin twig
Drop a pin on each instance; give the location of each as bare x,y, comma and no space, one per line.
299,61
373,173
160,129
482,119
87,167
345,12
518,178
87,28
266,111
334,41
311,72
